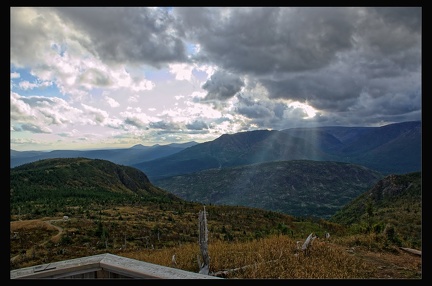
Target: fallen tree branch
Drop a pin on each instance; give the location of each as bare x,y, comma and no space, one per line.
223,273
412,251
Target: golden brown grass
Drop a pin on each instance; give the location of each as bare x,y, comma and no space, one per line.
30,224
275,257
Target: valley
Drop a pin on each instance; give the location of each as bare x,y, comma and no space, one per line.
116,209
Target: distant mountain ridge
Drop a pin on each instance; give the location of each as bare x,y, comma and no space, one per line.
390,149
297,187
394,148
124,156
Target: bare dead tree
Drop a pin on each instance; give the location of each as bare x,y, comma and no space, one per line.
203,243
173,261
307,243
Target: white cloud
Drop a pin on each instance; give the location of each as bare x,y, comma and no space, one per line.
112,102
307,109
14,75
25,85
181,71
94,115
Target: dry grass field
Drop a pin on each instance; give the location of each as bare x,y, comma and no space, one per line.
49,239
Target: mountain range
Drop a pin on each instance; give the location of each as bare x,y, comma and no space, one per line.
124,156
390,149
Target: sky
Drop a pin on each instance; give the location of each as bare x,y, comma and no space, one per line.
114,77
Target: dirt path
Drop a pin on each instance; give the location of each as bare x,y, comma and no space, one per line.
38,222
398,265
56,237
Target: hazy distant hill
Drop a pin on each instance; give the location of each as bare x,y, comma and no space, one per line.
394,148
126,156
395,201
298,188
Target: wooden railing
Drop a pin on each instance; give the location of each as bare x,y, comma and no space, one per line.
104,266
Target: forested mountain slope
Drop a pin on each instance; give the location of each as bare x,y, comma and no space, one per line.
298,187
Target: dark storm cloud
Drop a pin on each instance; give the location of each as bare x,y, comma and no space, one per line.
133,35
273,39
250,108
410,17
353,65
336,59
326,56
269,39
391,33
222,86
323,91
263,112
